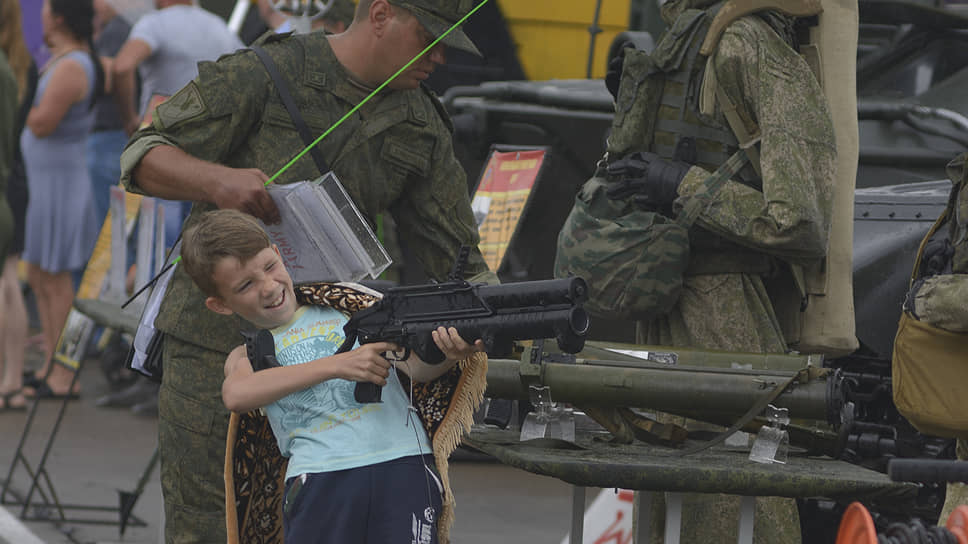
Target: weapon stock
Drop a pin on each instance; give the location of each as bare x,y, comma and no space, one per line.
497,314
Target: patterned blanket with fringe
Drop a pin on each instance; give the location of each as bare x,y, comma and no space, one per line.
255,470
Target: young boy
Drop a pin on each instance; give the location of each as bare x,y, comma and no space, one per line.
356,472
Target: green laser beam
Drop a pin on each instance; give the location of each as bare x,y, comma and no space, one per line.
336,124
373,93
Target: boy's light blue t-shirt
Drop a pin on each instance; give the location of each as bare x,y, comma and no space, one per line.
323,428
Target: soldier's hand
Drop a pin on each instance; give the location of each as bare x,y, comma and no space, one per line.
652,182
245,190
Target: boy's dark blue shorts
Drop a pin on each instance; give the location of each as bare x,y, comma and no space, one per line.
395,502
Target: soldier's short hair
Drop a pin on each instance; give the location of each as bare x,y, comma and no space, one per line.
216,235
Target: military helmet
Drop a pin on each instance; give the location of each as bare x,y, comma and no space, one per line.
437,16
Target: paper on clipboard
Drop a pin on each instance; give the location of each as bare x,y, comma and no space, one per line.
322,236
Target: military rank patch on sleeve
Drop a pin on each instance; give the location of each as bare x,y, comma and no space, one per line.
184,105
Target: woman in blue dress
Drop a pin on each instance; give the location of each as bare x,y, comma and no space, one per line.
61,224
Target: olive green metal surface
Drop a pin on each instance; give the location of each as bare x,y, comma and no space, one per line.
595,463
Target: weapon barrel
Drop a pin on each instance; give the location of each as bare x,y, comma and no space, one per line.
567,325
687,391
566,291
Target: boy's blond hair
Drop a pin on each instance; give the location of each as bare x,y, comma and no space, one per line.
216,235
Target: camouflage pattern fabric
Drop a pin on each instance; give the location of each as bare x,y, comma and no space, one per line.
394,154
634,259
958,174
940,302
786,217
192,421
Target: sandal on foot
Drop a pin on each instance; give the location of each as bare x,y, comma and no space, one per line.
7,406
43,391
31,379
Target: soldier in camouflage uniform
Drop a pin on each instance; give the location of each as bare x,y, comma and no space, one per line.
738,292
939,300
215,140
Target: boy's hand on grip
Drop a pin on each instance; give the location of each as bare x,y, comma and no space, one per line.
454,347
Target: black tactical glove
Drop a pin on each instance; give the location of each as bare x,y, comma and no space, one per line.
613,74
652,182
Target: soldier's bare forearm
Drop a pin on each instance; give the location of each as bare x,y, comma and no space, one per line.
170,173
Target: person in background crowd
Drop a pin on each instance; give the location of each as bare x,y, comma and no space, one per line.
13,319
61,226
336,19
107,141
11,88
762,222
165,47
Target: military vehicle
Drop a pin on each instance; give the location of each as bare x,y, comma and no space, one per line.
911,72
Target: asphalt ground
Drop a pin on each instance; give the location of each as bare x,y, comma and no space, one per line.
99,452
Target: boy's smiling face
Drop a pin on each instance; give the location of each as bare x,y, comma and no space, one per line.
260,290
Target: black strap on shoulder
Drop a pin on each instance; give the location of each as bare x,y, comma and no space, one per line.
291,107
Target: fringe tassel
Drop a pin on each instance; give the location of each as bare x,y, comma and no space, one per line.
460,416
228,473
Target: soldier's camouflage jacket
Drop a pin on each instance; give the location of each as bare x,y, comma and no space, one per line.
394,154
739,243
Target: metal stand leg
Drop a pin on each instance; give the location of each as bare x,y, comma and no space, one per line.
642,517
577,514
49,504
747,511
673,524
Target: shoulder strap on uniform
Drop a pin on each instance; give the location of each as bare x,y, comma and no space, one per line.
736,122
745,129
291,107
734,9
439,107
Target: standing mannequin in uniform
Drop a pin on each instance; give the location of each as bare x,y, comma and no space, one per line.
665,141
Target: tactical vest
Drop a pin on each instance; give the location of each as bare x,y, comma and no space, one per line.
659,96
658,109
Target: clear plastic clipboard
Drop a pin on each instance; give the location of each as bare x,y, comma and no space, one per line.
322,235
